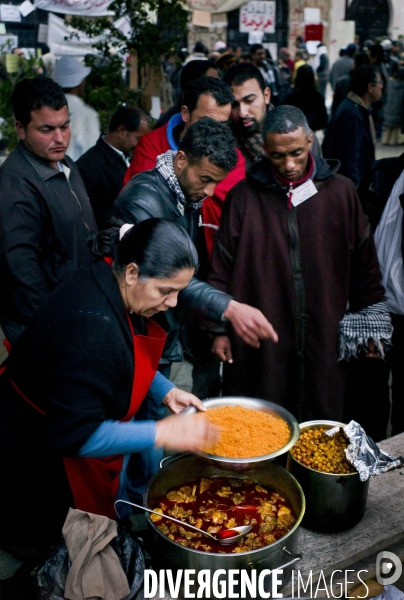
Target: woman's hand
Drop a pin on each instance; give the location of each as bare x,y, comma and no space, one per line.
185,432
177,400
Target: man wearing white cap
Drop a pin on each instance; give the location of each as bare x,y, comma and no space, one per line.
71,75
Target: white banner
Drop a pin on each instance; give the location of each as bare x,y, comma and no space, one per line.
258,15
57,31
92,8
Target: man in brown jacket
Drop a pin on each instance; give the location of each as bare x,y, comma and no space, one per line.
294,242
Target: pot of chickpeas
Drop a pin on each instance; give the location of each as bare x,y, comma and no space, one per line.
335,495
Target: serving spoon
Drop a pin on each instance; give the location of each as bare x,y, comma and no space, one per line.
227,536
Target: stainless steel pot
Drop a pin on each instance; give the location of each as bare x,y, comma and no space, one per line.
239,464
334,502
280,555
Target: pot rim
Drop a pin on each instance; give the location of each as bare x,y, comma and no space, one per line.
255,404
316,424
231,555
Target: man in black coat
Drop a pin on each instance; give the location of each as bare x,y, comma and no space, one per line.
103,166
45,214
350,136
386,216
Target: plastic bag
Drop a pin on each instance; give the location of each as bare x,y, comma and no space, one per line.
51,576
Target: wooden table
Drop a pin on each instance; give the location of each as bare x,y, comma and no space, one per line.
382,528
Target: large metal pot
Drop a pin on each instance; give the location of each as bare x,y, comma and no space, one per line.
334,502
280,555
240,464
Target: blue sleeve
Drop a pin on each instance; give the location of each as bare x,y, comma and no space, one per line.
160,386
115,437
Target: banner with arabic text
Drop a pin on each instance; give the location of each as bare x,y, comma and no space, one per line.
92,8
258,15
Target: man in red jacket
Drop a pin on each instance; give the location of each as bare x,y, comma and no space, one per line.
205,97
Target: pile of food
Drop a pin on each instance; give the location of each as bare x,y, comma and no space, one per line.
321,452
214,505
245,433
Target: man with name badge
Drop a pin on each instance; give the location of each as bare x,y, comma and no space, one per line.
294,242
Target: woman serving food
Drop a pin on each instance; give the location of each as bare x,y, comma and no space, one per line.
77,376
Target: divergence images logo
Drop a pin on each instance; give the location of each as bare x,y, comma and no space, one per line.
388,568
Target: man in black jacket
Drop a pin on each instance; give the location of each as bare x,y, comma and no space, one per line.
385,213
103,166
175,190
350,136
45,214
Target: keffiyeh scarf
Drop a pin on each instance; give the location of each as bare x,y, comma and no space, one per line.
356,329
165,167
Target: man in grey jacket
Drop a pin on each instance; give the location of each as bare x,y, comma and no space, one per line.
45,213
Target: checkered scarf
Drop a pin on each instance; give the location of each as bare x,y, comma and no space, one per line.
356,329
254,146
254,143
165,167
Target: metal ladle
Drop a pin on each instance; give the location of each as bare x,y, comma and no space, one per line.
228,536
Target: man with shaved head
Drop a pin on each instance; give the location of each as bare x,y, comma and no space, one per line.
293,241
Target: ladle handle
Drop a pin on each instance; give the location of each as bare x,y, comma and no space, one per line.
172,457
154,512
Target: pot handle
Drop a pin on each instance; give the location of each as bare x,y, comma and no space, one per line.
172,457
296,558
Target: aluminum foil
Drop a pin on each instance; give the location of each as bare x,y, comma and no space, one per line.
364,454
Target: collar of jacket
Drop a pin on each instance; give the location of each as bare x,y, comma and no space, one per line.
44,170
358,100
261,172
110,154
171,125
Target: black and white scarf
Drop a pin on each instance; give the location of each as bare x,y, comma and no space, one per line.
165,167
356,329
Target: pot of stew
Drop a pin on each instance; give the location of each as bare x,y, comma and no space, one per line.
199,492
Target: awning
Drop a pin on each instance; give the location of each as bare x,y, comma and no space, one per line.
215,6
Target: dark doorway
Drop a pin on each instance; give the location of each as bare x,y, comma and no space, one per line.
371,17
280,37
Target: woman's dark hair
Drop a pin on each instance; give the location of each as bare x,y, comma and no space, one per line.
33,94
160,248
305,79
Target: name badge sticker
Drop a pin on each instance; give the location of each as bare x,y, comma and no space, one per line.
303,192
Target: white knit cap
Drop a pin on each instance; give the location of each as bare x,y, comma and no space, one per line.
69,72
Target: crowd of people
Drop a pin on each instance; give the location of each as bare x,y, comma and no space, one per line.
227,234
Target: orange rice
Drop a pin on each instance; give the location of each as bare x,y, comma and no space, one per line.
245,432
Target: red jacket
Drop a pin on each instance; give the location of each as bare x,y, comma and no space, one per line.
156,142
